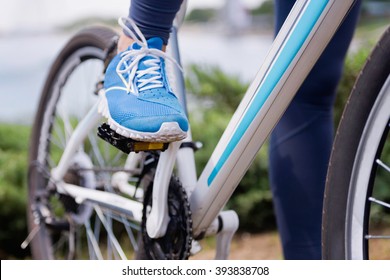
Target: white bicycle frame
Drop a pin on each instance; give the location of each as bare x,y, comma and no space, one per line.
304,35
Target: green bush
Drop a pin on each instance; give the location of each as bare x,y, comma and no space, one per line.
353,64
13,194
201,15
267,7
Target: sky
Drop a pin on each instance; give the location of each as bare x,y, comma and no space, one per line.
18,15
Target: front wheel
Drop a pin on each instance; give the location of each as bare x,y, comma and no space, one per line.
356,216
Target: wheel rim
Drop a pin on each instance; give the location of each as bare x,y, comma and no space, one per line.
86,231
370,175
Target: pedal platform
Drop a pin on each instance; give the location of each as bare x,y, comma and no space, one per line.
128,145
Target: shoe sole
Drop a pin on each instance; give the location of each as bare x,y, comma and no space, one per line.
168,132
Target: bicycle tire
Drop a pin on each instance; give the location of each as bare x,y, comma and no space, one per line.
364,123
67,95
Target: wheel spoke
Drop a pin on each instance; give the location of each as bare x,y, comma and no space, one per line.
60,135
130,233
377,201
94,250
116,159
383,165
110,234
97,228
60,243
71,242
68,128
96,150
377,236
51,163
56,143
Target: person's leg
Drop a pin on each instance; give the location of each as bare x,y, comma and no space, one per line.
300,146
153,17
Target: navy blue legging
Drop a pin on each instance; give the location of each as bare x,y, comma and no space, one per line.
300,144
154,17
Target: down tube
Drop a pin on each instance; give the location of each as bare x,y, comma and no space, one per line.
306,32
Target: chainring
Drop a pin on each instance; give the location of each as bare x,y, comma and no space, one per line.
176,244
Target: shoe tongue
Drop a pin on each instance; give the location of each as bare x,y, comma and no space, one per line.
153,43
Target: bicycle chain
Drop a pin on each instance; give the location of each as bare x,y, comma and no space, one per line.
176,244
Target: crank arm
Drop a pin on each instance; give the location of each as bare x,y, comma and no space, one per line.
158,218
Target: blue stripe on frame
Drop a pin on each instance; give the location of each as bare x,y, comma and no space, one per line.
294,43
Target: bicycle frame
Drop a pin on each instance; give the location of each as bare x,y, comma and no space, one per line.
305,34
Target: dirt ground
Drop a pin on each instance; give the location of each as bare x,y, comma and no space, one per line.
264,246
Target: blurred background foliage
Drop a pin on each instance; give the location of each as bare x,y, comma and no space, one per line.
13,189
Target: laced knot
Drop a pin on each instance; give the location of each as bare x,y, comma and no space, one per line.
150,76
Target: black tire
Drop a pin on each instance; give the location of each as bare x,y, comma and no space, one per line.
53,216
347,195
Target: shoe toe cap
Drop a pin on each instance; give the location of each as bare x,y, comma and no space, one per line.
142,115
153,124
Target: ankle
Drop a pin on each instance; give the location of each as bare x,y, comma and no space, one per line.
123,42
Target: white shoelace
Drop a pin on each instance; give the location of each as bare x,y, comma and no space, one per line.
152,72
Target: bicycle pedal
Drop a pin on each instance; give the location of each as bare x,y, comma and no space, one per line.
128,145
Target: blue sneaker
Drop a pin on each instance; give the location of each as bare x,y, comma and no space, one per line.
138,101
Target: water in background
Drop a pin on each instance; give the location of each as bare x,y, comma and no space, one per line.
25,61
